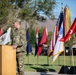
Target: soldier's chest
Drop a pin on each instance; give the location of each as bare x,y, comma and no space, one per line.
16,33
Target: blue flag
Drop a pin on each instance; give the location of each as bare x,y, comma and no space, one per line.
28,45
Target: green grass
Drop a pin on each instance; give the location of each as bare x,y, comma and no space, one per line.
43,65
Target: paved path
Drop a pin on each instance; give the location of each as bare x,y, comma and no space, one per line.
41,73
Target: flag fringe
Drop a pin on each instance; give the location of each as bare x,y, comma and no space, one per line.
59,52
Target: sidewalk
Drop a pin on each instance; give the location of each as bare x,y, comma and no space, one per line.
41,73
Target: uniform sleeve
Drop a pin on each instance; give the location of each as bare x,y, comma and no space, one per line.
22,39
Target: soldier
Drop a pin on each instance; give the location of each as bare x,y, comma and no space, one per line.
18,42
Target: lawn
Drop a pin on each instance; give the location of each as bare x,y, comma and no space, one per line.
42,65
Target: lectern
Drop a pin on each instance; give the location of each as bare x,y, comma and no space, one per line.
7,60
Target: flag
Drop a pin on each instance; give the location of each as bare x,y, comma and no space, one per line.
1,32
27,35
67,19
71,31
61,17
5,38
55,34
59,46
51,46
36,47
53,39
43,40
28,45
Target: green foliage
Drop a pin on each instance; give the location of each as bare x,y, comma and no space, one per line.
3,11
71,41
46,6
49,37
8,12
40,32
26,13
26,9
32,37
32,7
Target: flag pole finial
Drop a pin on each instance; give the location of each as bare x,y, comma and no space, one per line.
62,7
61,4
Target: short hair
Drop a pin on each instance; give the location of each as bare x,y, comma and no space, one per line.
18,20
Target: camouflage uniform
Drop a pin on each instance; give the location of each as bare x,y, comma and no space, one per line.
18,39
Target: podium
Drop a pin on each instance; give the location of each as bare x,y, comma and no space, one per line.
7,60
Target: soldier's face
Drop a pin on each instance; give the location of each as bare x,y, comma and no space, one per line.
16,25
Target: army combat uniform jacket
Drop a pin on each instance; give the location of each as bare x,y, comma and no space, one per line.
18,39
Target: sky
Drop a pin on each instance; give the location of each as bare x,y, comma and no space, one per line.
70,3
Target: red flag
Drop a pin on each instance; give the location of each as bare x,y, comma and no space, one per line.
71,31
0,31
39,50
43,40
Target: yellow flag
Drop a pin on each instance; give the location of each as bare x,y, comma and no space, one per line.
67,19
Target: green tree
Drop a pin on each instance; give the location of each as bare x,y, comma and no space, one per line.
7,11
27,9
71,41
49,36
4,5
31,8
32,36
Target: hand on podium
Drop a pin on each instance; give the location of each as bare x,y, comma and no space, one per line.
14,47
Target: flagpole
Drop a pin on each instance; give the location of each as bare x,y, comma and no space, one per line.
47,55
28,59
59,55
37,59
64,35
47,59
58,60
64,56
72,57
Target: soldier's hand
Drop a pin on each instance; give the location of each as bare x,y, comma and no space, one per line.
14,47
